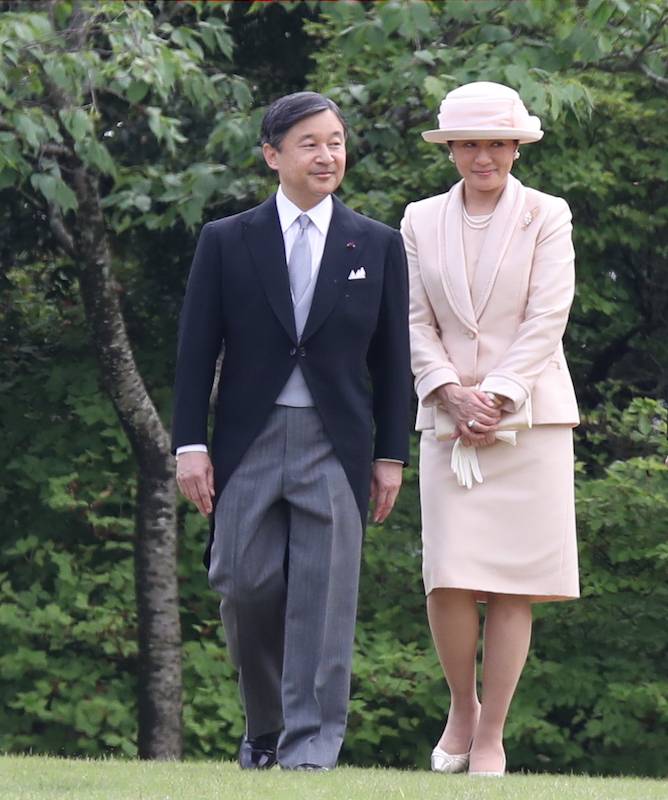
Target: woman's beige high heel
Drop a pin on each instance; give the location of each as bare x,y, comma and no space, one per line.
444,762
491,774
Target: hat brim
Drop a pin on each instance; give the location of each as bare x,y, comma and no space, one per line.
463,134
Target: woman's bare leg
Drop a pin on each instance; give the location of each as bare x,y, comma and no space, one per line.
455,627
506,642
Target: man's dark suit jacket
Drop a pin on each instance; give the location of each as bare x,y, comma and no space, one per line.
353,352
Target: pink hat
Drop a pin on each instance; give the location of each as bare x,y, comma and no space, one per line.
484,110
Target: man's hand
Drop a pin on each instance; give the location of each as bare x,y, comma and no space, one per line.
194,475
385,484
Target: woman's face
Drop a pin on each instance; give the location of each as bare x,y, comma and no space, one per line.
484,163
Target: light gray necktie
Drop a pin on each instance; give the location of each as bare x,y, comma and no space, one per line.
299,265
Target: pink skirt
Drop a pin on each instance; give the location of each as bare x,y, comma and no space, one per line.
514,533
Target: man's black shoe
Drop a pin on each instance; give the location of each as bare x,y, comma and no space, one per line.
309,768
260,752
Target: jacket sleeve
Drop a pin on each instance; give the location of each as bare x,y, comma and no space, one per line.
550,295
388,359
200,343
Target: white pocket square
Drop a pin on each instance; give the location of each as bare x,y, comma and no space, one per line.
357,274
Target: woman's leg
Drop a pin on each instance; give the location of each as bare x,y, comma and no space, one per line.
455,626
505,646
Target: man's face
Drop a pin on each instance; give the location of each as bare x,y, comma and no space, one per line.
312,159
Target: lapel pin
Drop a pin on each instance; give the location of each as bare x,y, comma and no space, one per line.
351,245
529,217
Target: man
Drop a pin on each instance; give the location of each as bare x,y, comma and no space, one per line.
307,301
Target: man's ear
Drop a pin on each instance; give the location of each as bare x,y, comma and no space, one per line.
269,154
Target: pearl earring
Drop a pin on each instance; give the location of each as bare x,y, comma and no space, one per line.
451,158
517,155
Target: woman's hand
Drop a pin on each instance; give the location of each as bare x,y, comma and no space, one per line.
474,412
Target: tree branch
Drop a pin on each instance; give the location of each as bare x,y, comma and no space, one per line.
59,230
56,150
656,79
648,44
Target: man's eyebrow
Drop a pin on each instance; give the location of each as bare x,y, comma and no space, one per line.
312,136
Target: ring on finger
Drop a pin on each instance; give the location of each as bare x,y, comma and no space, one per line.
470,423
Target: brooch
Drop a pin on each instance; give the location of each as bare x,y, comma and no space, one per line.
529,217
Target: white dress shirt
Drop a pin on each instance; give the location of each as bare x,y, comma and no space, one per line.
320,216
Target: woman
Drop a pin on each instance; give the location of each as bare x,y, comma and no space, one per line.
492,281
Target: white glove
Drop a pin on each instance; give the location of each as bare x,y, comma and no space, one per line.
464,461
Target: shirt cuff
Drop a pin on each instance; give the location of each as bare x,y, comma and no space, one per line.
191,448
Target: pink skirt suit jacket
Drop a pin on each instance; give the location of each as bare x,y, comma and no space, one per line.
500,329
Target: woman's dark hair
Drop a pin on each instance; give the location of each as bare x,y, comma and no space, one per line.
287,111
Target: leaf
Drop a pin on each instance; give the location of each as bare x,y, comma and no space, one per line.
96,155
28,129
55,190
242,93
435,87
155,122
516,76
55,69
23,31
137,91
494,33
77,123
8,177
600,12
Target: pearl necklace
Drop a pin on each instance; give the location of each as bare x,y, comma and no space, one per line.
477,223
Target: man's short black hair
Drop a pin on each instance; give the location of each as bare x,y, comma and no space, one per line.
287,111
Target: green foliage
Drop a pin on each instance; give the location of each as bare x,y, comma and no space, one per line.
66,575
396,707
137,79
158,114
67,640
213,716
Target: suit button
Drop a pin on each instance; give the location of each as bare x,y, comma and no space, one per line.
302,352
470,334
293,351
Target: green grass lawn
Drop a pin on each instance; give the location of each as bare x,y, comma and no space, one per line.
36,778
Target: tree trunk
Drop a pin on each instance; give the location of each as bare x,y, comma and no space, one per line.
158,612
159,691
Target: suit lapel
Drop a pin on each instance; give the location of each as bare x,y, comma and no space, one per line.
451,257
264,239
468,302
499,233
338,259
